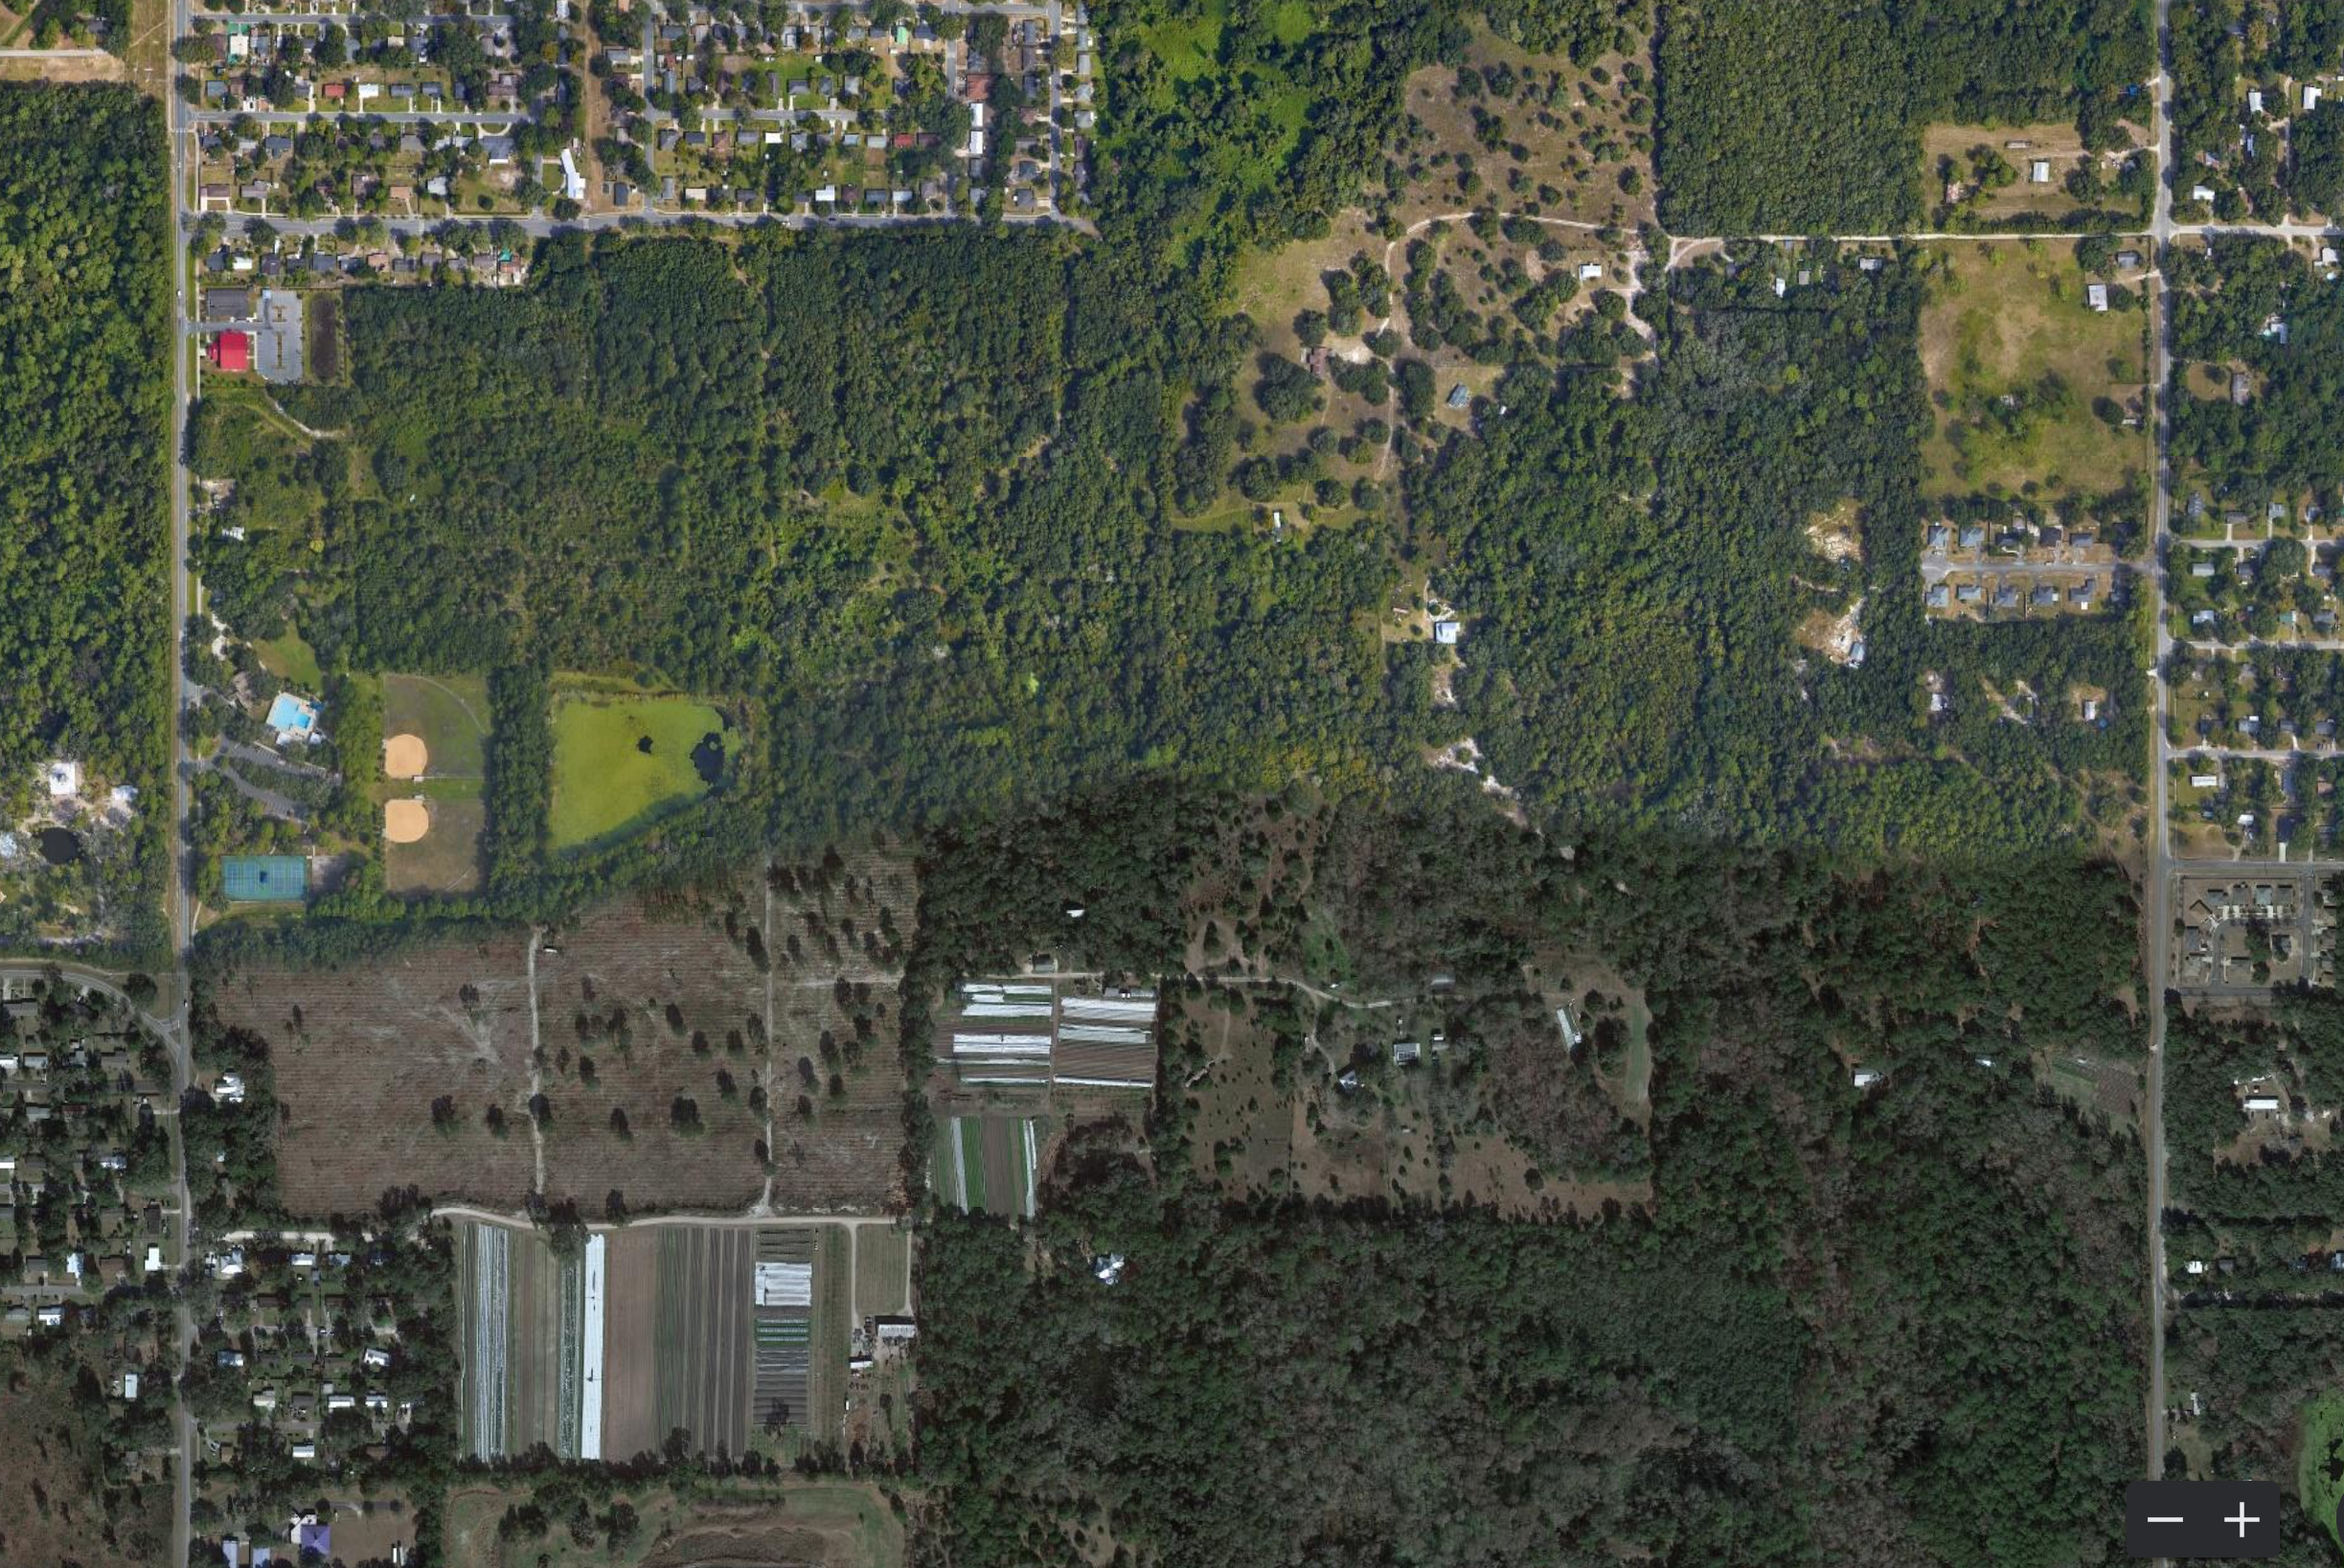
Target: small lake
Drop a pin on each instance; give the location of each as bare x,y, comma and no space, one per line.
708,759
58,846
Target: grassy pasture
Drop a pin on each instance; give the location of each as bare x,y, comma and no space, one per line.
2319,1460
1577,146
833,1286
621,763
839,1524
2015,359
882,1270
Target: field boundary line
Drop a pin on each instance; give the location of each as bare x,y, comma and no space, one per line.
536,1073
451,693
523,1221
773,1083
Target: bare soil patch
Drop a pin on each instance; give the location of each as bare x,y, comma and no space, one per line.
63,68
404,756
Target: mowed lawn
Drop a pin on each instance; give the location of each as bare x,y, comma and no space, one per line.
292,660
2016,361
619,762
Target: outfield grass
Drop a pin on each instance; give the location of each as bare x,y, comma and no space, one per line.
451,714
448,858
2010,321
607,780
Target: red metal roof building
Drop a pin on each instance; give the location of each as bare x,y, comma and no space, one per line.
232,350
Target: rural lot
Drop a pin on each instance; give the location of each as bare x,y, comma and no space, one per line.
708,1049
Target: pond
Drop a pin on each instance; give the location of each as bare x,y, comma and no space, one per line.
58,846
708,759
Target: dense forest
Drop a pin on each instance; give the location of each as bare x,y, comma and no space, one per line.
84,382
1807,119
1896,1324
951,587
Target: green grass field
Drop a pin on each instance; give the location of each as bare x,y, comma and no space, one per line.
2319,1460
292,660
826,1384
2015,359
882,1270
621,763
1190,46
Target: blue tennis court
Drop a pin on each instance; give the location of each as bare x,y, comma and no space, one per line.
264,879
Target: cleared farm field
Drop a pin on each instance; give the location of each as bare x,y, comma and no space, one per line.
837,935
649,1007
361,1054
702,1340
784,1327
832,1328
985,1163
679,1345
882,1271
703,1047
519,1343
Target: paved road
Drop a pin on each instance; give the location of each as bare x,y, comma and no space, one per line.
2281,755
522,1221
262,757
1935,567
497,124
538,226
182,908
2157,921
2316,645
297,19
284,807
